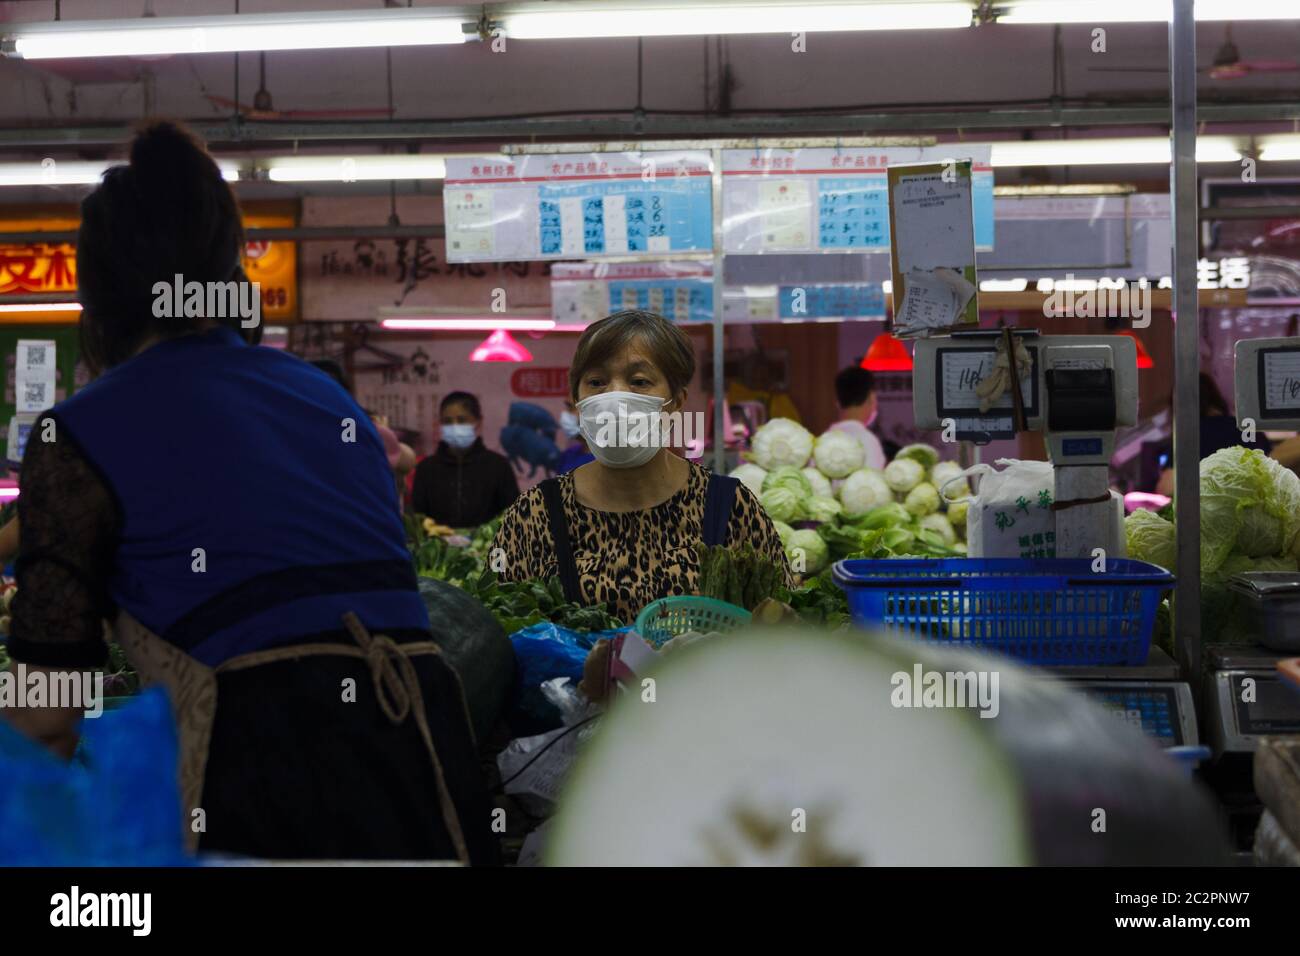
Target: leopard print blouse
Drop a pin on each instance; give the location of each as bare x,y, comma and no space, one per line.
625,560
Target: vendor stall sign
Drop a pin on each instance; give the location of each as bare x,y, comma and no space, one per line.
584,292
578,205
38,268
43,268
540,382
830,200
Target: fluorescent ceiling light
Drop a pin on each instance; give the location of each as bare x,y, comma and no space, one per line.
40,307
1145,11
573,21
308,169
468,324
1279,148
52,172
1100,152
159,36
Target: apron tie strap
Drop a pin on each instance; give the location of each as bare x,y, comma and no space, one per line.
397,687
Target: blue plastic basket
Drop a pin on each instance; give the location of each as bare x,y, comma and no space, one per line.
1044,611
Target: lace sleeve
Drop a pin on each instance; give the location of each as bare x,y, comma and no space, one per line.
67,519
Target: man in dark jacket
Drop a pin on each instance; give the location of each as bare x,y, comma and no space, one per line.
463,484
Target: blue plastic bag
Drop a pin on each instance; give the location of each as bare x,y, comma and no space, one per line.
543,652
117,804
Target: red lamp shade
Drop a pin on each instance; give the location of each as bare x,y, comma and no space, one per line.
887,354
500,347
1144,359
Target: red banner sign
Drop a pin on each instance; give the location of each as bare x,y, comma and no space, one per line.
540,382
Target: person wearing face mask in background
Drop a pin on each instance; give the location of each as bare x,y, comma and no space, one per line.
855,391
577,453
622,530
462,484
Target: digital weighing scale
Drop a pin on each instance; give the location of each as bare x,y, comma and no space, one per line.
1079,390
1243,696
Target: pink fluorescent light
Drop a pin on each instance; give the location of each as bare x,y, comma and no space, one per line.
7,493
469,325
41,307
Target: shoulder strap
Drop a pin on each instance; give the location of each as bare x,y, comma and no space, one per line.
718,501
560,534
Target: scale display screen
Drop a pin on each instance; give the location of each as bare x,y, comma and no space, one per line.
958,371
1153,710
1275,709
1279,382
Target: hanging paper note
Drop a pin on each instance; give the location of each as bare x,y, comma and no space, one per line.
932,242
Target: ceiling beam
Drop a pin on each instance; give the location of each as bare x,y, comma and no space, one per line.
231,132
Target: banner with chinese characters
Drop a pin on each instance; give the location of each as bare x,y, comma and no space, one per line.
583,292
40,268
50,269
578,205
830,200
351,279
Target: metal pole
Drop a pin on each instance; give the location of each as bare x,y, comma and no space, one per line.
719,380
1187,411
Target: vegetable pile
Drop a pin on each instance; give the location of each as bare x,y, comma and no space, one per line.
831,507
1250,521
515,604
747,579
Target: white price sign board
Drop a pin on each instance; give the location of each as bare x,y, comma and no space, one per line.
578,205
830,200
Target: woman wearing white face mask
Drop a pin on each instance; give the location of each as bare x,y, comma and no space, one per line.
622,530
462,484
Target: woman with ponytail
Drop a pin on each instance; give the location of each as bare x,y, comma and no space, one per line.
167,498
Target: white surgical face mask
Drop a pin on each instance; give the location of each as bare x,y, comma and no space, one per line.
569,424
621,428
458,436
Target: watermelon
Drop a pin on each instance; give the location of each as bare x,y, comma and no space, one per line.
476,647
790,746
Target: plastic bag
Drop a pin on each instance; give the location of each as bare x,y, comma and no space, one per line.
544,652
116,804
533,768
1011,514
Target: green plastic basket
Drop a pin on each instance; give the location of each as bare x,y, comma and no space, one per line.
665,618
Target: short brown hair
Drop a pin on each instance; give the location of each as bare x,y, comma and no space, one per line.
669,347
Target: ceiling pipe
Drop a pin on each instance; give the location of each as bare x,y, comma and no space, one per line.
246,132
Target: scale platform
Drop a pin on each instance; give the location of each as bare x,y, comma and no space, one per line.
1151,696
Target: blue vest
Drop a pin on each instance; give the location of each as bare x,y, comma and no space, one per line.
240,451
